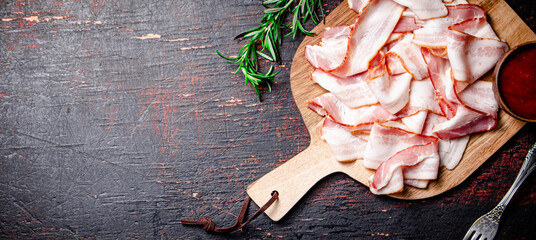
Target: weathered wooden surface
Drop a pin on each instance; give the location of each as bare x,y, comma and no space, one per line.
118,119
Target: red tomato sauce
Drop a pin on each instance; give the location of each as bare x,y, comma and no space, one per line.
517,82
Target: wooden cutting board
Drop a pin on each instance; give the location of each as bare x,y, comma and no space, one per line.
293,179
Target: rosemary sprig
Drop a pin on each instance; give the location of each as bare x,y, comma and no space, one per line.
265,39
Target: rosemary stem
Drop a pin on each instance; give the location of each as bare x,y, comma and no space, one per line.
268,37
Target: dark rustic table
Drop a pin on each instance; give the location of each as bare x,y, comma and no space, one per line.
117,119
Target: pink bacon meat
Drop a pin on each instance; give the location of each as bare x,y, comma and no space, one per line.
404,94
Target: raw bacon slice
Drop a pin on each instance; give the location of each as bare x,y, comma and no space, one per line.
416,121
385,141
404,94
421,97
416,183
394,185
437,68
451,151
426,169
394,124
420,175
473,49
454,2
477,27
358,5
391,91
353,91
479,97
432,120
406,24
466,121
477,113
393,40
329,105
330,53
345,146
394,64
409,56
369,34
425,9
434,31
408,157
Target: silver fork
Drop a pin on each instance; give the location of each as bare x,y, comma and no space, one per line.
486,226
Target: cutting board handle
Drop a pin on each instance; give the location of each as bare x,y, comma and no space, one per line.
293,179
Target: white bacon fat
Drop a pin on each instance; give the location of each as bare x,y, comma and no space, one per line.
344,145
370,32
330,53
404,94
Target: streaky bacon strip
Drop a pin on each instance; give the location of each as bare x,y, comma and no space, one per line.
406,24
392,91
426,169
451,151
418,124
345,146
479,97
358,5
394,124
328,105
462,118
434,31
385,141
369,34
394,63
409,56
416,121
473,49
454,2
425,9
421,98
466,121
346,88
477,27
410,156
431,120
394,185
437,68
393,40
438,51
330,53
416,183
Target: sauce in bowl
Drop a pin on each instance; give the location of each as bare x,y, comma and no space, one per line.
515,82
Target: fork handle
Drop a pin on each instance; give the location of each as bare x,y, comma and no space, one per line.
527,168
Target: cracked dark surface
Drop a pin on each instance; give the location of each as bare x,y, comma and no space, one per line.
107,131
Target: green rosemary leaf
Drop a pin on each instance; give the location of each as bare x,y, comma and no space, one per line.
266,56
270,1
248,33
272,10
227,58
302,6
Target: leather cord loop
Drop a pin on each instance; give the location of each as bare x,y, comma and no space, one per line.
210,227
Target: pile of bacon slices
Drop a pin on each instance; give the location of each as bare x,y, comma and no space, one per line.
404,94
